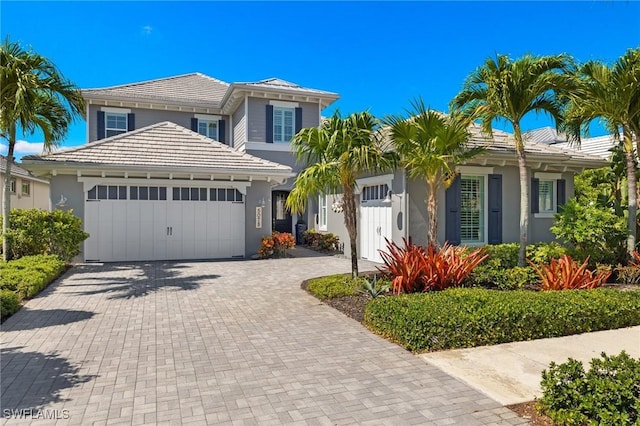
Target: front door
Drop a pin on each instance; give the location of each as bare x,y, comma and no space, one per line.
279,213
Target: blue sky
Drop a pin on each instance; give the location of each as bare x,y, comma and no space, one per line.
376,55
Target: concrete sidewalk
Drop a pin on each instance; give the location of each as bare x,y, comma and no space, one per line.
510,373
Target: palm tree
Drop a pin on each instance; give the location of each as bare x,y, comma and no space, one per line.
34,96
508,90
431,145
338,152
612,94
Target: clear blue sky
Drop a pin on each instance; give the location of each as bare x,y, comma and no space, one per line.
376,55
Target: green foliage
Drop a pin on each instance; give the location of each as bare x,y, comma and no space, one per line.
607,394
627,275
469,317
9,303
321,241
374,287
34,232
28,275
335,286
593,231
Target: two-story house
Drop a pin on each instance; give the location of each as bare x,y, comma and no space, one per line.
184,167
27,191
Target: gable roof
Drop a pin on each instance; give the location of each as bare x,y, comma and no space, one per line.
17,171
194,88
166,146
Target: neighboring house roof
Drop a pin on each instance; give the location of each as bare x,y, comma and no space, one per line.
599,146
194,88
165,146
17,171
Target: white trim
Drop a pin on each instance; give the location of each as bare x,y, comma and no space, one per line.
374,180
323,226
208,117
284,104
116,110
246,120
90,182
548,176
473,170
231,140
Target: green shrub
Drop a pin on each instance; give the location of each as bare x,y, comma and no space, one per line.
335,286
321,241
34,231
9,303
468,317
594,231
607,394
28,275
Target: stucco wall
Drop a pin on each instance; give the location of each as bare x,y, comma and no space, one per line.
253,235
38,197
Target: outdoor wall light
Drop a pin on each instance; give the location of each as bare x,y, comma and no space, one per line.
261,202
388,199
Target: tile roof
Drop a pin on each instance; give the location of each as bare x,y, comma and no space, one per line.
16,170
546,135
276,83
598,146
163,145
194,88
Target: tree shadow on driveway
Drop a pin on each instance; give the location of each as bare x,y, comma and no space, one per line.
30,319
133,280
31,380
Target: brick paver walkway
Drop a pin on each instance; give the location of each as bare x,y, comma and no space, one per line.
217,343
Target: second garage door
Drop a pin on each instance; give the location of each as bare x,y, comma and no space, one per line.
128,223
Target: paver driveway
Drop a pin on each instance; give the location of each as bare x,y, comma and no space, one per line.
216,342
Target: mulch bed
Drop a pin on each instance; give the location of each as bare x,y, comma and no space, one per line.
527,410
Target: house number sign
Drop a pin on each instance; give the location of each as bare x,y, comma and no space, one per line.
258,217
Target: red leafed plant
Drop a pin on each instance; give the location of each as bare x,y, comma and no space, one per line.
635,262
276,245
413,268
567,274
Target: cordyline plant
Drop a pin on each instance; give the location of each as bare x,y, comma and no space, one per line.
567,274
414,268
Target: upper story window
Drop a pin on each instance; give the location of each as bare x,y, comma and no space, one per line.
208,128
115,123
283,124
211,126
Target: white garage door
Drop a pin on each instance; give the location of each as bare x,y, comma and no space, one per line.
128,223
375,222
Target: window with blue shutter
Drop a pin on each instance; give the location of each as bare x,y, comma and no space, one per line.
535,194
100,125
269,120
452,207
495,209
562,193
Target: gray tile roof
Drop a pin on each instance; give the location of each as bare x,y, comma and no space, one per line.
16,170
195,88
598,146
163,145
546,135
276,83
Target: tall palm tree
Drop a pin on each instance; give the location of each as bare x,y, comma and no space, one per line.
34,95
508,90
337,153
611,94
431,145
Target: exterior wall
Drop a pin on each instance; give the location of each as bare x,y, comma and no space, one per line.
257,122
147,117
37,199
417,207
282,157
239,127
539,226
253,235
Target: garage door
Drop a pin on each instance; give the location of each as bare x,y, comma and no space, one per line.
128,223
375,222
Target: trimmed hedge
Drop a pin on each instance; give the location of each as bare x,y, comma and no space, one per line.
28,275
335,286
9,303
469,317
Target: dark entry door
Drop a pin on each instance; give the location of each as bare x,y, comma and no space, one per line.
279,213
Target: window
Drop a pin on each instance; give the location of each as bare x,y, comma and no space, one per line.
374,192
107,192
322,213
204,194
115,123
208,128
472,209
13,186
26,188
546,196
283,124
153,193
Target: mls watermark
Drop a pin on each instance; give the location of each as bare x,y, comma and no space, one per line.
35,414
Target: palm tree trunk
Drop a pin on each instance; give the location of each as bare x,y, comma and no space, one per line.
632,194
6,198
351,223
432,212
524,194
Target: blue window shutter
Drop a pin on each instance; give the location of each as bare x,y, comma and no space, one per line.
269,130
131,122
561,185
495,209
100,125
298,120
194,124
452,207
535,195
221,131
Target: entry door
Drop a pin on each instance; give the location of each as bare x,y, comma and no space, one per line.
375,226
279,213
